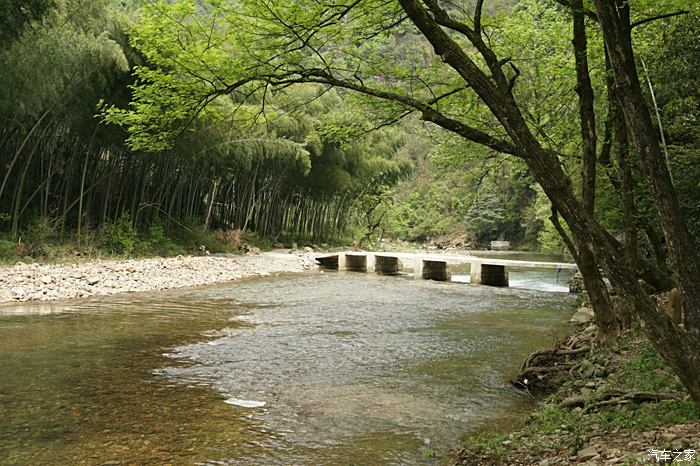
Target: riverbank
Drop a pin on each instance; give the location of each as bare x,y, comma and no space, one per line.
613,406
48,282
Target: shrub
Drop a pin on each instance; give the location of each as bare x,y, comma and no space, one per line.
35,237
7,249
118,237
156,241
231,238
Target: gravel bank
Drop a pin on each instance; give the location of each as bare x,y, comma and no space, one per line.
48,282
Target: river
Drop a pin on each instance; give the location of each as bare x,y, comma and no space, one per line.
351,368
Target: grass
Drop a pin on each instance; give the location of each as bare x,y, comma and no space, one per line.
642,416
646,371
486,442
551,418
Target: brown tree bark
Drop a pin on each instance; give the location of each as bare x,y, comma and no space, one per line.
593,281
614,21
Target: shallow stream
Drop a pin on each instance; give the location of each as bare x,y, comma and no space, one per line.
352,369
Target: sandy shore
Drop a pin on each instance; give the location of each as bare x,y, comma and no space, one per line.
48,282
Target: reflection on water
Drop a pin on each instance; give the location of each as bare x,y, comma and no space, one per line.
351,368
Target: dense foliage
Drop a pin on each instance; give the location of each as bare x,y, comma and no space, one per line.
302,161
299,168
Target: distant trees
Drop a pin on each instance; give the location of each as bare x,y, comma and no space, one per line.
461,193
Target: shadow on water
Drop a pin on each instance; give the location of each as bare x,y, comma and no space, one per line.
352,368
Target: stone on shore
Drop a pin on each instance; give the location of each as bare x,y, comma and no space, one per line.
583,316
45,282
586,454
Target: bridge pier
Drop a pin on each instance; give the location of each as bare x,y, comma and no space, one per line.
431,270
387,265
329,262
488,274
356,262
484,271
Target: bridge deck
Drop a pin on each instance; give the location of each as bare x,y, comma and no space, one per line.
459,259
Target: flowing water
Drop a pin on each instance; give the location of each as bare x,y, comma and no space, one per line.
351,368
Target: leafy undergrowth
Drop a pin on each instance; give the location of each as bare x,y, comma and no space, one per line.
638,405
41,241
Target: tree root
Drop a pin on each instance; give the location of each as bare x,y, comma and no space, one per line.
543,370
610,398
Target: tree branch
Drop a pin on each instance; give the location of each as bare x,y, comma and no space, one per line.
511,81
567,241
477,16
442,18
427,112
654,18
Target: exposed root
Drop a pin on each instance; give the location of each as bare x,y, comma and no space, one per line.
616,397
544,370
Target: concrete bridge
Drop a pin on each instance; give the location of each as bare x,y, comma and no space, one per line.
483,270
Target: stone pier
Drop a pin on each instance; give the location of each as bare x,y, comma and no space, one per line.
488,274
356,262
387,265
484,270
329,262
431,270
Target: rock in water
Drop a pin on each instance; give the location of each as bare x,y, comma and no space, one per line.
245,403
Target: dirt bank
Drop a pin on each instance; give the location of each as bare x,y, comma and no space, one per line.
47,282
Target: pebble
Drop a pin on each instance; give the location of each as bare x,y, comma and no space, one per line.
45,282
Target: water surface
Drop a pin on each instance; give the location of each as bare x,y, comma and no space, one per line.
352,368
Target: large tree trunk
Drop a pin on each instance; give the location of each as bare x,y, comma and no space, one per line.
626,187
679,348
592,279
614,21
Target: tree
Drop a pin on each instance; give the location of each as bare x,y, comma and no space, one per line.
444,61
